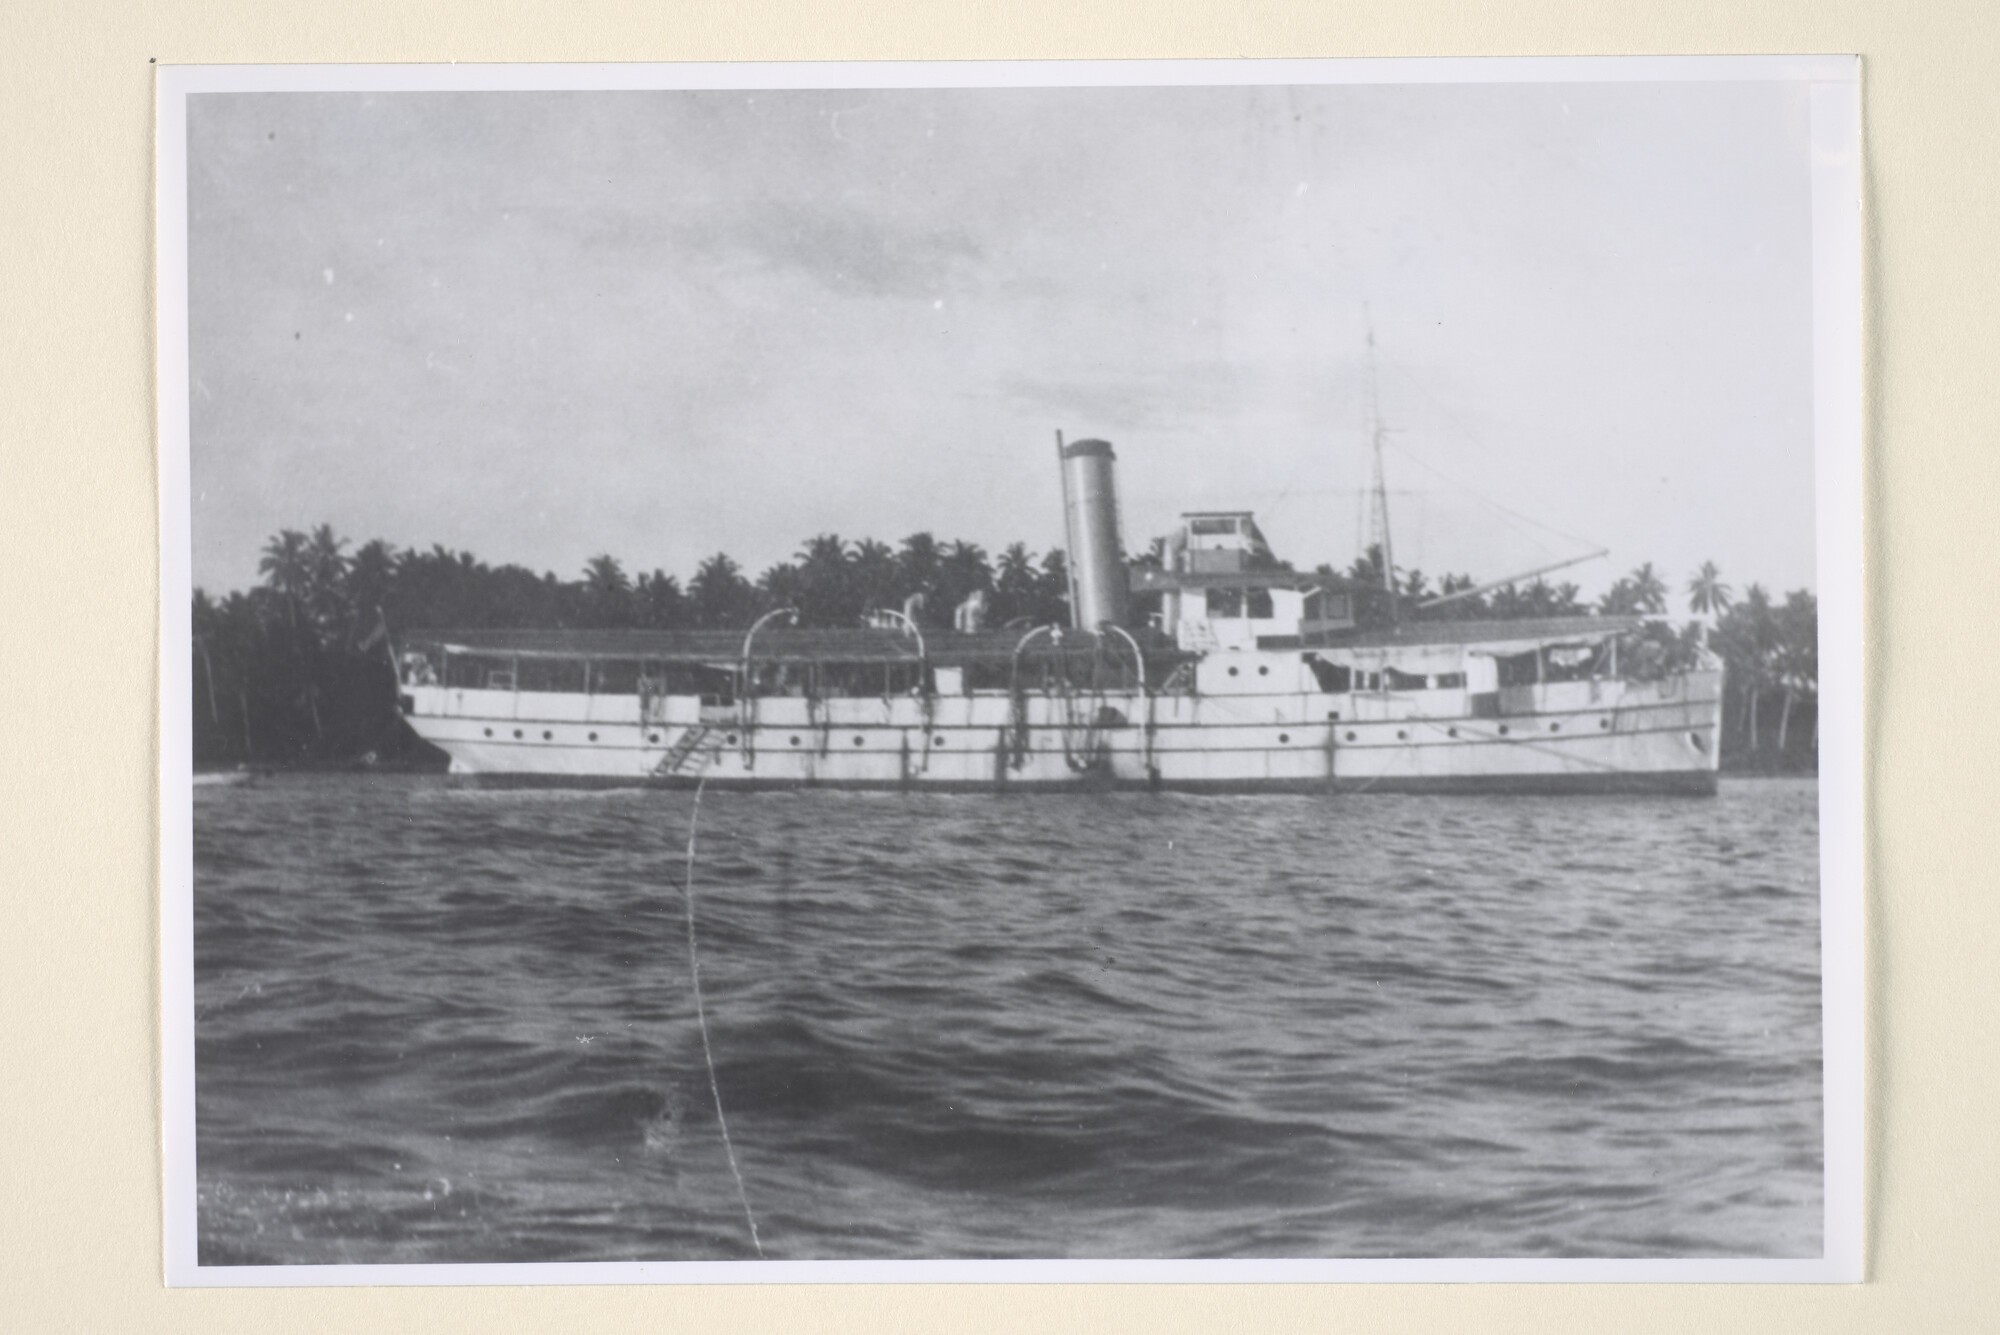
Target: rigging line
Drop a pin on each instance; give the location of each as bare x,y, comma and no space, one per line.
701,1015
1485,500
1465,431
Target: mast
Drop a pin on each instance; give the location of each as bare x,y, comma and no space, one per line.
1381,484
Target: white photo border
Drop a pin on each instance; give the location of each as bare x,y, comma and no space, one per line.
1838,371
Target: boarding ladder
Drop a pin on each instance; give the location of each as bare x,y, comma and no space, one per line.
684,747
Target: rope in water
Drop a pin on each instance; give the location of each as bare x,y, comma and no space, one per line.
701,1014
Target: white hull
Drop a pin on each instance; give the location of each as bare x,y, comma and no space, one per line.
1566,736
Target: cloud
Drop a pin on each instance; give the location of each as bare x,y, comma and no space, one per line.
1124,401
846,251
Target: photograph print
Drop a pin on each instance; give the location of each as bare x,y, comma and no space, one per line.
1200,671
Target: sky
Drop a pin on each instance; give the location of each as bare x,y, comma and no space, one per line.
540,326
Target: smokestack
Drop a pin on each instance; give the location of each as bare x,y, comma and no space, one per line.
1090,523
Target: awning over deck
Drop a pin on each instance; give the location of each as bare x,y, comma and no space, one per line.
777,644
1494,637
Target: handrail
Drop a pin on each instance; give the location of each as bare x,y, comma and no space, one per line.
923,655
790,613
1016,705
1014,670
1145,693
1138,654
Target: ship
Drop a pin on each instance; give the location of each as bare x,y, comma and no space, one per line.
1211,668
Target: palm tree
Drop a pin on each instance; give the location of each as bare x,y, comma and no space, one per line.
873,571
607,593
660,603
371,576
286,567
826,594
1371,600
1649,590
720,595
1748,636
1459,609
1052,589
918,564
1707,594
963,570
782,585
1015,585
326,579
1795,655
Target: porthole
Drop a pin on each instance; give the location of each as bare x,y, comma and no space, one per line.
1263,672
1284,737
593,737
795,741
1604,725
489,732
1555,727
1503,730
1333,714
731,739
937,741
1232,672
517,734
547,736
1451,732
652,737
857,741
1402,736
1350,736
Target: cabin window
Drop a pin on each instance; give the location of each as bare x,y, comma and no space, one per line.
1333,678
1208,528
1257,604
1225,603
1325,606
1518,669
1404,681
1576,662
1451,681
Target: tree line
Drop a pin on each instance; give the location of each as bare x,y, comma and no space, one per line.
295,669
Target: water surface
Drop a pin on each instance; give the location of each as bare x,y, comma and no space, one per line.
442,1023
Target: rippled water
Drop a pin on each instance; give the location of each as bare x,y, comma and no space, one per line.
439,1023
